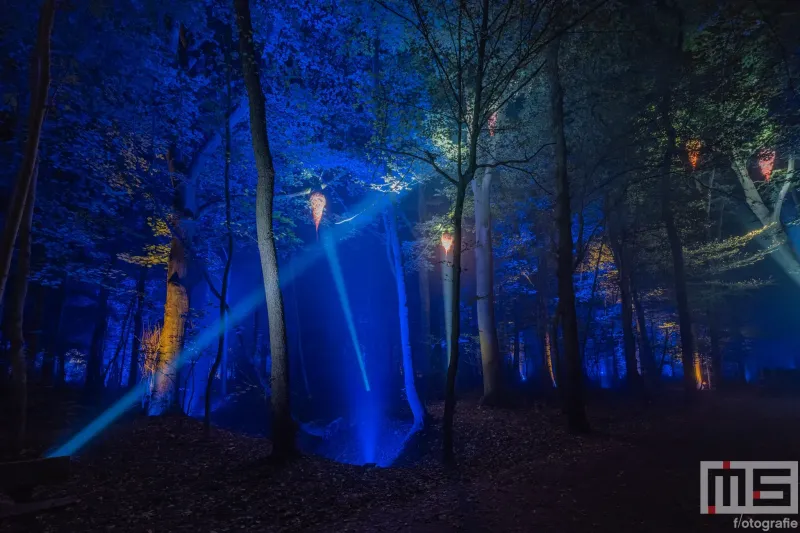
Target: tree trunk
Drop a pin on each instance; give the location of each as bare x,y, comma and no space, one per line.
138,328
223,294
646,355
94,366
484,277
417,409
283,427
23,186
784,253
632,376
49,357
424,354
447,296
176,310
543,316
676,249
114,366
515,365
668,217
573,374
33,338
622,257
454,333
19,366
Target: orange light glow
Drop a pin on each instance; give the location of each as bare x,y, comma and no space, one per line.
447,242
549,356
317,201
693,149
492,124
766,160
698,372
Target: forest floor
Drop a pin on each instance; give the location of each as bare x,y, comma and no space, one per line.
518,471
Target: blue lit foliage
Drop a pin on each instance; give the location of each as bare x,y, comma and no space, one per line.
141,99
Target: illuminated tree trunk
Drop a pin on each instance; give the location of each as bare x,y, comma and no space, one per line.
138,328
484,276
424,302
390,221
543,318
573,371
447,296
646,355
455,327
94,365
23,186
283,426
632,376
176,310
784,253
16,311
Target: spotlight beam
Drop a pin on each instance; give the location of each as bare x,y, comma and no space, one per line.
237,314
338,280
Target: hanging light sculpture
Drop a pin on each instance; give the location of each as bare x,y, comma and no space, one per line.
693,149
492,124
766,160
317,202
447,242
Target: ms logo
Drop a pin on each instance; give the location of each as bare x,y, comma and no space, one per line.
748,487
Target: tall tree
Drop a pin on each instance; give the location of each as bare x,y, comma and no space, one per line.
19,364
673,44
40,88
484,277
223,293
283,428
417,409
573,382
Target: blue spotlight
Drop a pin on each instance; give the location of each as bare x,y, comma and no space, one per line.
371,206
338,279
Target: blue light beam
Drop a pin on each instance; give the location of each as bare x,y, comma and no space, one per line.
371,206
338,280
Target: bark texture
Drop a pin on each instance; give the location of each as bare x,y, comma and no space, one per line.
484,277
283,431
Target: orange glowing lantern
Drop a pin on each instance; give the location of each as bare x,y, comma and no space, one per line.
492,124
693,149
447,242
766,161
317,202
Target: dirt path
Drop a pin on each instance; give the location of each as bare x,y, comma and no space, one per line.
650,482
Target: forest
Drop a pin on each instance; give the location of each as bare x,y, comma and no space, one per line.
394,265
